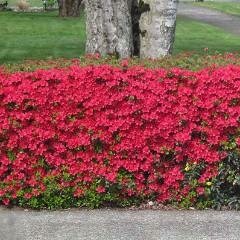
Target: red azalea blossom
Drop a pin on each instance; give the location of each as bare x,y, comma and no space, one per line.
200,190
125,63
100,189
78,192
238,142
6,201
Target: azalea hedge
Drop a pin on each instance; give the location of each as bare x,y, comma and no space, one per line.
99,135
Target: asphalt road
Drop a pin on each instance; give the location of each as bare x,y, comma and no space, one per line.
227,22
118,225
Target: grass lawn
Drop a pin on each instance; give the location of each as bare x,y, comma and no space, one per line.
44,35
40,35
195,36
226,7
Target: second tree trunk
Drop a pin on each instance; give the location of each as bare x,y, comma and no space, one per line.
69,8
157,28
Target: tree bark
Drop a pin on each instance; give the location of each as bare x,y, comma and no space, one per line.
69,8
157,28
109,27
144,28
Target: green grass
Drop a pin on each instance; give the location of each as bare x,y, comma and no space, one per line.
226,7
44,35
40,36
195,36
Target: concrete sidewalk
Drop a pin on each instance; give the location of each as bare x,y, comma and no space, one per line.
118,225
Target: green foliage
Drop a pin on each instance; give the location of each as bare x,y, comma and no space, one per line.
50,3
225,190
192,173
3,5
55,197
11,155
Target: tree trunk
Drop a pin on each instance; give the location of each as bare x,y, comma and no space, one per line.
144,28
109,27
157,28
69,8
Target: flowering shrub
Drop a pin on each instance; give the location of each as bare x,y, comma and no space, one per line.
85,136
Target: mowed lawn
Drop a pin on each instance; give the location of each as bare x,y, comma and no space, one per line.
45,35
226,7
196,36
39,36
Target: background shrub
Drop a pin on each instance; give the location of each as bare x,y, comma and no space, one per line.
23,5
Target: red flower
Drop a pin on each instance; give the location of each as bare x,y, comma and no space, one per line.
6,201
78,192
125,63
200,190
238,142
101,189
